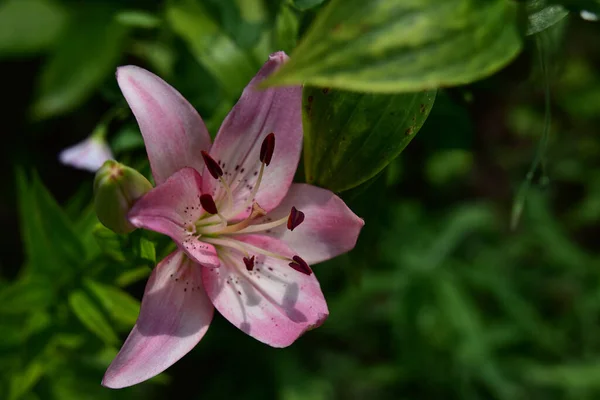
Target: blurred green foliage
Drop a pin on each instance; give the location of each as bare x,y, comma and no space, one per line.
439,300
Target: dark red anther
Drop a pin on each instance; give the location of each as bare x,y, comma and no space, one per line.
300,265
267,148
208,204
296,217
249,261
213,167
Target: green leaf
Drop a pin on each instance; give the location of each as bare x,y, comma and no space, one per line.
306,4
392,46
119,305
286,29
25,295
350,137
575,375
29,26
23,381
211,47
589,6
88,53
127,139
91,317
110,243
146,250
51,244
128,277
138,19
541,15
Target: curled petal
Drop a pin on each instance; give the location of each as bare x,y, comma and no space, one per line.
174,316
271,301
173,131
173,208
88,155
329,227
238,144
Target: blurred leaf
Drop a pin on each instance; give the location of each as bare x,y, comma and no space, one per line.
146,250
28,26
119,305
127,139
392,46
26,295
211,47
446,165
110,243
542,14
91,317
126,278
576,375
23,381
88,53
286,28
52,246
590,6
306,4
138,19
350,137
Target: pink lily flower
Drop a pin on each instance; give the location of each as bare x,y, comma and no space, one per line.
246,234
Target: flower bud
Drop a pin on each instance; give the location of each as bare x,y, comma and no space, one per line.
116,188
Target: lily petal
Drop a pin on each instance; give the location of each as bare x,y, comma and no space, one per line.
88,154
174,316
329,228
173,208
237,145
173,131
273,303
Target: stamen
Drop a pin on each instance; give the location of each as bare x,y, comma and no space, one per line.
300,265
267,148
249,262
296,218
266,153
257,212
208,203
212,166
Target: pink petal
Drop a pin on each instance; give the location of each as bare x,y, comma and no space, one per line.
173,131
173,208
272,303
329,228
174,316
88,154
237,145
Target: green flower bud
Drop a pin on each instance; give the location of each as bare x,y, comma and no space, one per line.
116,188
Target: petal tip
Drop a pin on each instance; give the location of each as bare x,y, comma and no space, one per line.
279,57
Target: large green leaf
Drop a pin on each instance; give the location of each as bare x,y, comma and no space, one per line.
349,137
52,246
213,49
28,26
88,53
391,46
86,310
541,15
26,295
119,305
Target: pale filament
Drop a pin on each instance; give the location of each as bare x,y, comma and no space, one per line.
243,248
257,212
265,226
